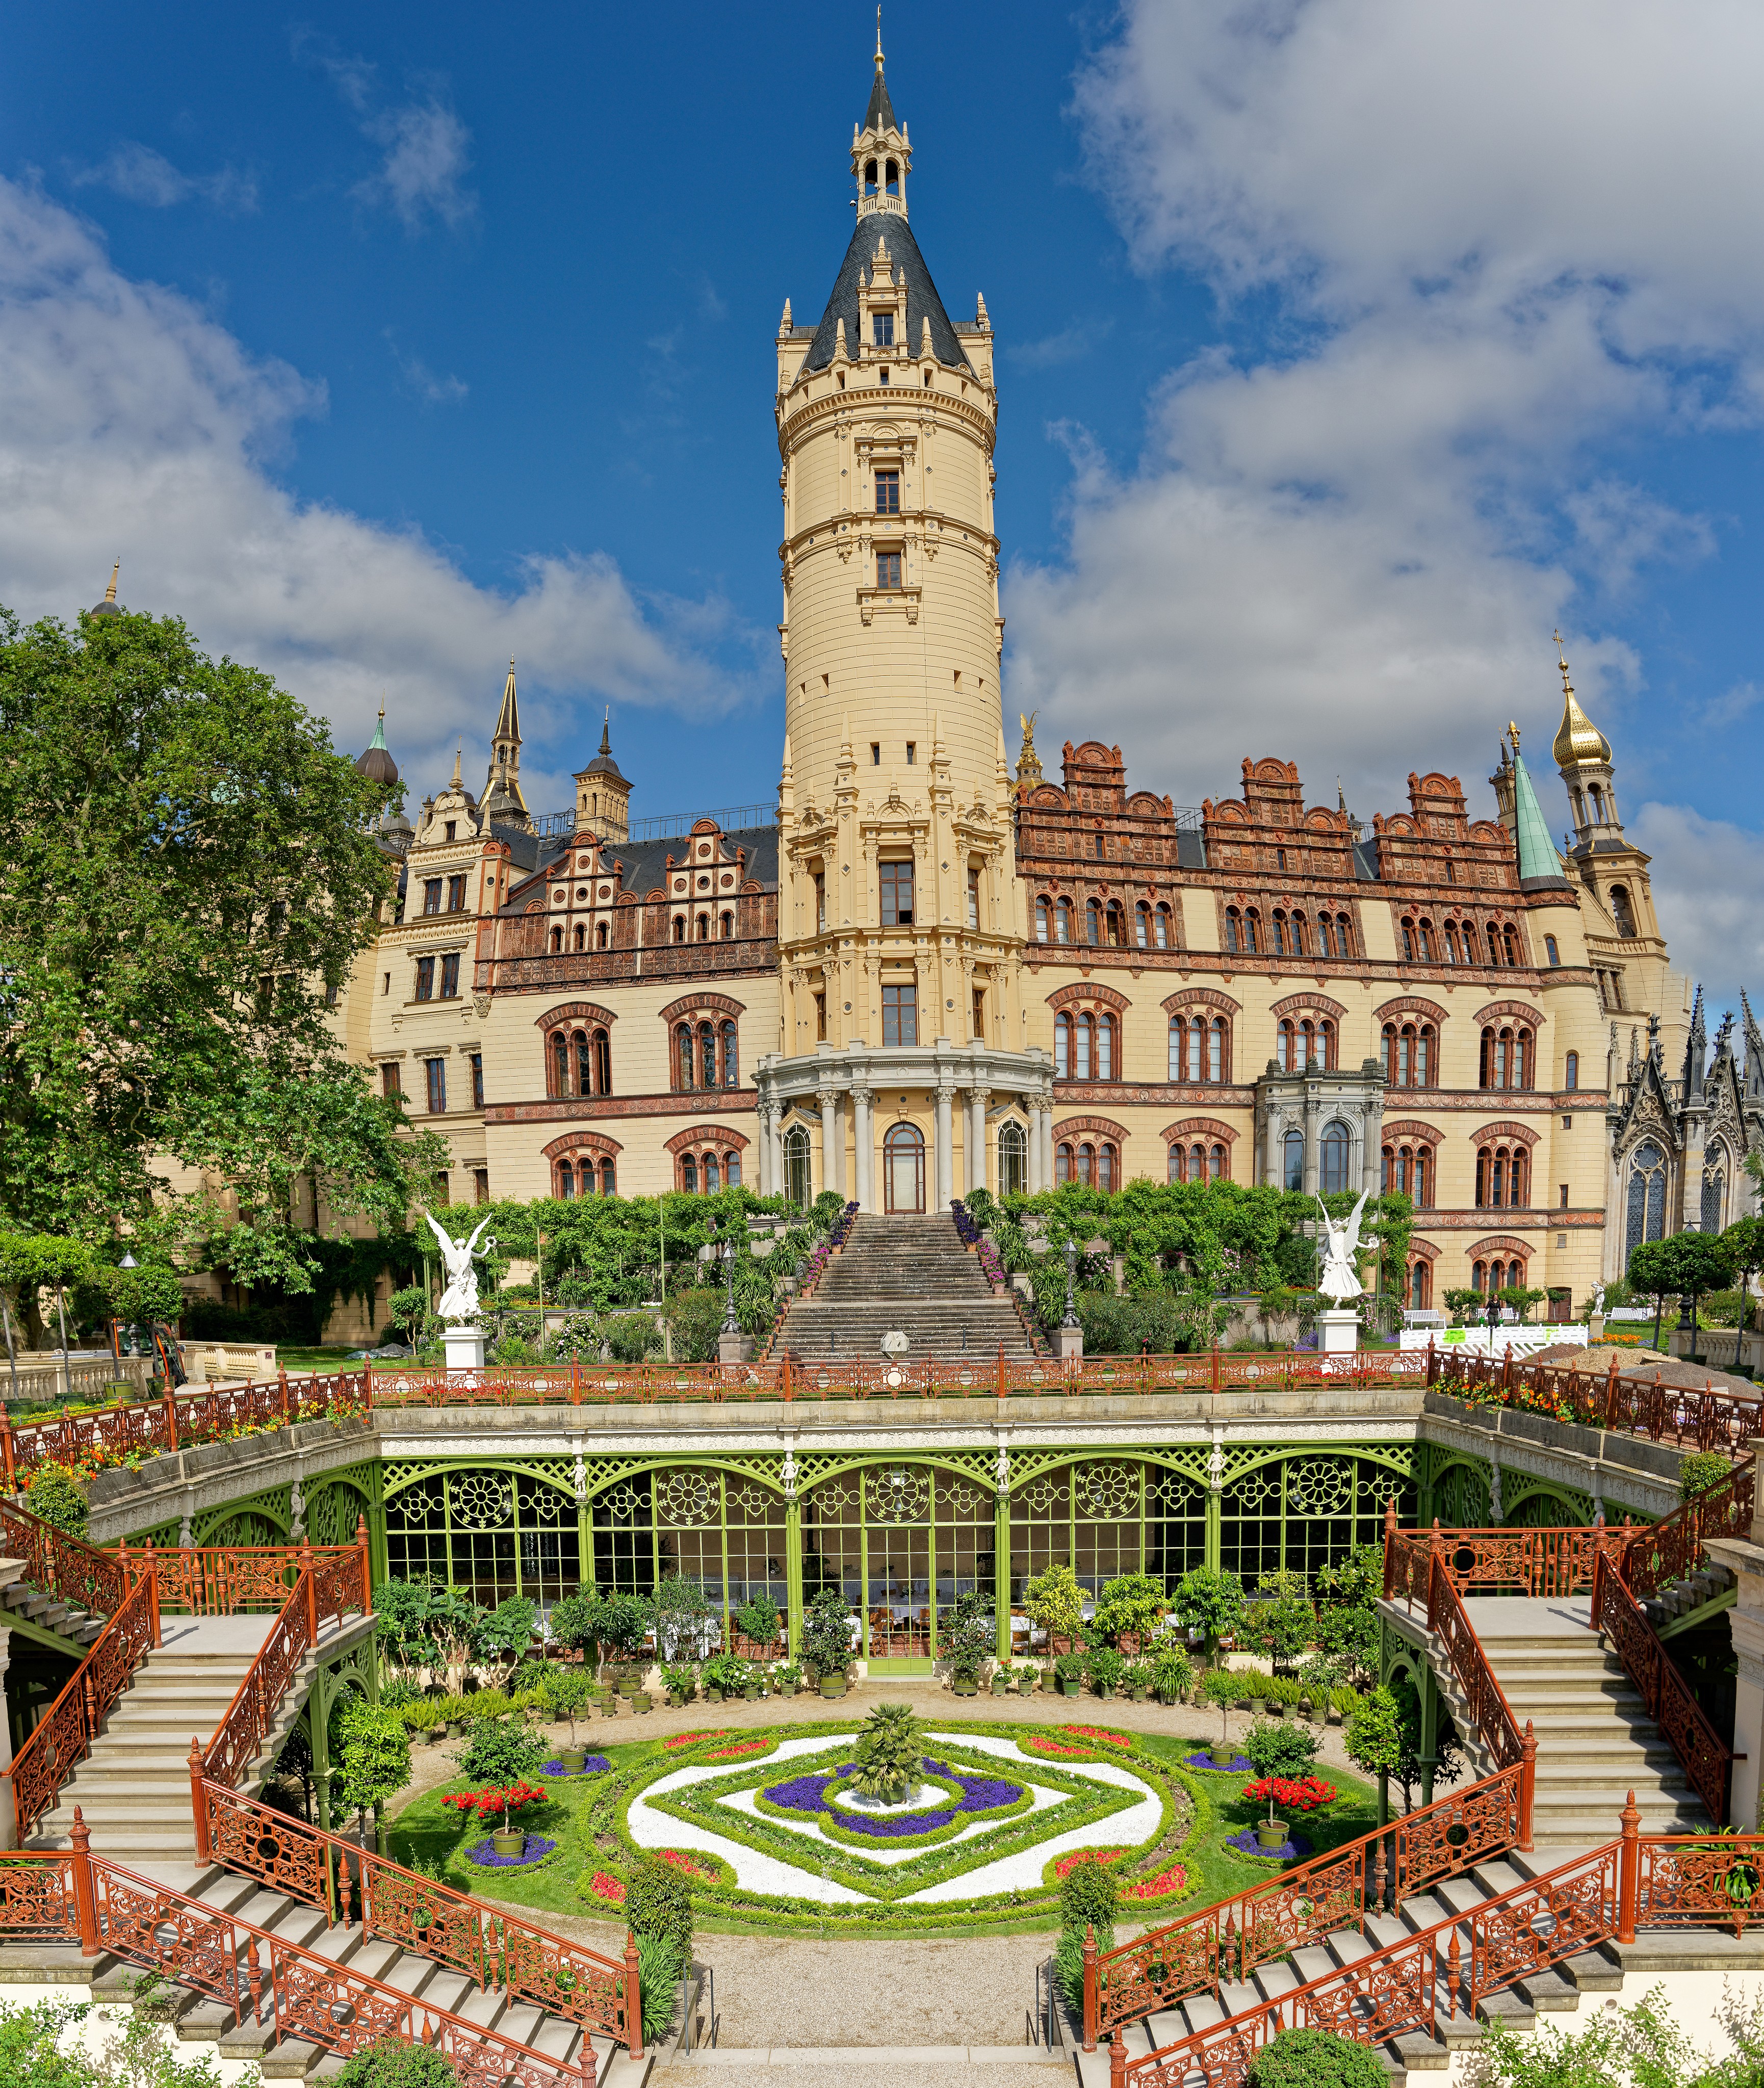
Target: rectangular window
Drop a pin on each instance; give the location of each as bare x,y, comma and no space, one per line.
912,753
900,1014
980,1012
431,895
425,978
1564,1194
437,1071
888,569
386,984
888,493
973,900
442,1193
389,1083
477,1084
481,1185
820,1018
897,895
820,902
456,895
875,754
450,976
883,323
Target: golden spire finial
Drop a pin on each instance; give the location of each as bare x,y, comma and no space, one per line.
1577,739
110,592
1512,734
879,35
1561,661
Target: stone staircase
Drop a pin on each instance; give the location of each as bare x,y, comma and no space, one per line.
1596,1741
73,1627
910,1275
1696,1590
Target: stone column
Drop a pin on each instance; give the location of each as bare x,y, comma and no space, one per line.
833,1142
1044,1139
975,1140
863,1136
1311,1156
1001,1554
946,1172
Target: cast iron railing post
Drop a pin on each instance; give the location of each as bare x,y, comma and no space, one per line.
1090,1987
1628,1869
1527,1786
367,1577
633,1998
85,1888
198,1802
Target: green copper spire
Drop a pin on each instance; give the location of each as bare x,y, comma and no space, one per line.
1537,852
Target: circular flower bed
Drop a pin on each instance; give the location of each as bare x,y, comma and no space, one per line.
1237,1766
592,1765
828,1797
534,1849
1246,1844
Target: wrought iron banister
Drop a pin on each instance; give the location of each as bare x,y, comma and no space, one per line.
1231,1938
63,1738
62,1565
1657,1554
74,1897
490,1944
1704,1757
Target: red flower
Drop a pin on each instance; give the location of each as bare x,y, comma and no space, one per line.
742,1748
681,1861
1160,1887
1298,1794
1100,1734
489,1802
1085,1856
689,1740
606,1888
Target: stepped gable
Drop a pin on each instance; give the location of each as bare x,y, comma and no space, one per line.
907,1275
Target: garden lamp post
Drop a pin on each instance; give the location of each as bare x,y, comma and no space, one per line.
1071,1320
128,1261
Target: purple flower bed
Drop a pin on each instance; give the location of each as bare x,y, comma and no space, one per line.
979,1793
592,1765
1294,1847
1238,1764
484,1855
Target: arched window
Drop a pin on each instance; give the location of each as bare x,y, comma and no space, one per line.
1451,942
585,1063
1420,1286
712,1177
684,1064
1234,928
1510,944
1279,931
1409,1056
1141,926
1621,912
1507,1057
557,941
1503,1176
703,927
1423,935
1344,936
1105,1047
1494,945
1062,1163
603,1063
1645,1215
1107,1168
1063,922
1215,1048
1041,920
566,1179
731,1170
1408,940
1252,931
608,1178
689,1173
679,927
707,1054
600,935
1298,935
1117,925
578,937
1571,1070
1083,1032
1292,1171
798,1191
728,924
1062,1047
1217,1159
1335,1152
1175,1164
1714,1189
1286,1045
1086,1164
1598,804
1160,928
1013,1160
731,1057
1093,921
560,1063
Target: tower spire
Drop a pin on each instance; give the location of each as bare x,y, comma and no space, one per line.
1577,739
503,800
110,592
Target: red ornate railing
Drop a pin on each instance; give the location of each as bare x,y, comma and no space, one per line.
208,1582
1606,1894
65,1566
1704,1757
1711,1419
490,1945
331,1583
74,1897
1658,1554
1415,1570
1539,1562
151,1427
1231,1938
63,1738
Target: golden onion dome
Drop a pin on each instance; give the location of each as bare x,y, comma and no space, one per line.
1577,739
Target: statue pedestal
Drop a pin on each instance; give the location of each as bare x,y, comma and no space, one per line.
1337,1330
735,1348
1069,1344
464,1348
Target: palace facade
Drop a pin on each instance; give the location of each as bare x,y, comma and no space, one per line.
928,969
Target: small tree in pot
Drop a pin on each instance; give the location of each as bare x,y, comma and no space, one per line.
827,1639
566,1691
1283,1751
967,1632
890,1753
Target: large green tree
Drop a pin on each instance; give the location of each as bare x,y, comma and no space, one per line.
190,874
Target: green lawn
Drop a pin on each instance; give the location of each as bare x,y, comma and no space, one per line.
431,1834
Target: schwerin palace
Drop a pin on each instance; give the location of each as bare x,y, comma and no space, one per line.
931,970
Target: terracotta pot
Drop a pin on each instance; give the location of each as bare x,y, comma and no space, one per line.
513,1843
1270,1834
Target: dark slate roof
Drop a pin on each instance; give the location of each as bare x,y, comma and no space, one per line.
1191,849
880,115
1366,860
923,300
523,847
646,863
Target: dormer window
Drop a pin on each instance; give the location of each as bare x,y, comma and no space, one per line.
453,829
883,323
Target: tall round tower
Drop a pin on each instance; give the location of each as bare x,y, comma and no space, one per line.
899,925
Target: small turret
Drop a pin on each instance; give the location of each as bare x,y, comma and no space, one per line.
602,794
108,606
502,801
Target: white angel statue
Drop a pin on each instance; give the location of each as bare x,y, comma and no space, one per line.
1340,1281
459,1300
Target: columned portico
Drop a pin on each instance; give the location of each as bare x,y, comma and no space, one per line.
911,1086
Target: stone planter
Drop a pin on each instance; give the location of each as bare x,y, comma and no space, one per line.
513,1843
1270,1834
832,1685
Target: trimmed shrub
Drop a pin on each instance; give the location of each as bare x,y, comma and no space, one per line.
53,1497
394,2063
1698,1472
1088,1896
1280,1748
1315,2059
658,1902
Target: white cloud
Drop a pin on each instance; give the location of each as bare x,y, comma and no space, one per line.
131,425
1708,880
140,174
1071,344
421,382
428,152
1489,241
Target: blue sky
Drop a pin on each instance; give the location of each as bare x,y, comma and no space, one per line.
1345,350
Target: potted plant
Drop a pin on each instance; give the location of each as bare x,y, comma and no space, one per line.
759,1620
1137,1680
1068,1672
565,1692
890,1752
1106,1667
1281,1755
642,1700
681,1681
506,1799
1220,1687
827,1639
1170,1673
789,1676
750,1684
1001,1681
1028,1674
968,1636
725,1675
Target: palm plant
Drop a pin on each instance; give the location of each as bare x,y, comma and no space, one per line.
890,1753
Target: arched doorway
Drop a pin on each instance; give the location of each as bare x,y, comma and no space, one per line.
903,1168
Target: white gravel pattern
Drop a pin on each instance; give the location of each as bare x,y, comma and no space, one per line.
755,1871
